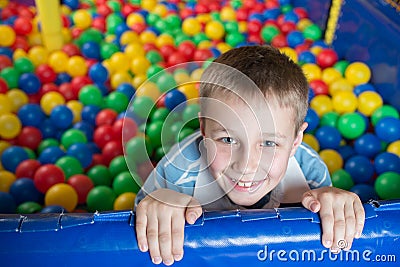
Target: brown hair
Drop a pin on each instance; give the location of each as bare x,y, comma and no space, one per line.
272,72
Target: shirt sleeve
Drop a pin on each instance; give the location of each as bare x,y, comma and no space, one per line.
313,167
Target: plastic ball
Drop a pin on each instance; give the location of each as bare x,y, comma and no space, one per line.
7,203
38,55
138,150
142,106
12,157
27,168
10,75
54,209
312,71
6,180
368,102
28,207
91,95
383,112
387,185
82,153
111,150
100,175
368,145
82,19
48,175
328,137
50,155
365,192
125,201
344,102
394,148
312,32
360,168
72,136
124,182
191,26
69,165
330,75
342,179
351,125
329,119
24,65
76,66
340,85
61,117
116,101
17,99
63,195
29,137
327,58
214,30
321,104
10,126
51,100
24,190
7,34
387,129
139,65
269,32
82,185
332,159
118,165
387,162
101,198
357,73
102,135
175,100
311,141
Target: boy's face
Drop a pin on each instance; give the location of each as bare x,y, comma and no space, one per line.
248,145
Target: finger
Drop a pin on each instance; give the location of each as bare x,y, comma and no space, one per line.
152,239
360,217
310,202
165,239
339,229
178,226
350,221
141,228
327,222
193,211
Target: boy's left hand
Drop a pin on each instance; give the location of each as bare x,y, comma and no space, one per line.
342,216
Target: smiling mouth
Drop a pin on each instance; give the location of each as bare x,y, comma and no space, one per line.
247,184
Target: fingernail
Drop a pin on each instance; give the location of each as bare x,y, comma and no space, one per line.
178,257
168,262
314,206
328,243
358,235
192,218
143,247
156,260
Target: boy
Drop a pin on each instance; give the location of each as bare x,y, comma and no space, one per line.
248,154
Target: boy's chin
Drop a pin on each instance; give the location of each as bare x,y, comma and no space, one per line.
243,202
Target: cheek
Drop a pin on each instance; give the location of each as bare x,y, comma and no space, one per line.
221,159
277,168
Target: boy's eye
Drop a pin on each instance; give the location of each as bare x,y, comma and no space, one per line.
228,140
269,144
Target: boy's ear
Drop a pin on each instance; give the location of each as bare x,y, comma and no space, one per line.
201,121
299,138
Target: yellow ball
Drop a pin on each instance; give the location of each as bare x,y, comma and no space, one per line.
340,85
196,75
357,73
134,50
134,18
125,201
344,102
290,52
181,77
149,5
109,66
164,39
329,75
311,141
76,108
206,44
332,159
189,90
118,78
191,26
138,80
76,66
242,26
63,195
58,60
7,35
223,47
321,104
160,10
303,23
66,34
148,37
312,71
203,18
38,55
316,50
3,146
148,89
10,126
139,65
215,30
228,14
18,53
82,19
5,104
6,180
120,61
368,102
394,148
51,100
129,37
18,98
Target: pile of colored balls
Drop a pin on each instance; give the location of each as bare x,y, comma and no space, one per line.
82,127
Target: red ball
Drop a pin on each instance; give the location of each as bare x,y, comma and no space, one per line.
99,23
82,185
288,27
242,14
111,150
66,90
27,168
327,58
149,46
48,87
22,26
100,2
255,38
187,49
202,55
102,135
186,12
78,82
5,62
319,87
128,9
71,50
302,47
138,27
201,8
65,21
3,86
272,4
30,137
124,129
104,10
21,43
176,58
279,41
48,175
167,50
161,101
106,117
254,27
76,32
25,12
46,74
300,12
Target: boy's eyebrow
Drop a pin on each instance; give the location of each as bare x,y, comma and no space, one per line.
275,135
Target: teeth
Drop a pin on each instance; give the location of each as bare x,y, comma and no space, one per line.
248,184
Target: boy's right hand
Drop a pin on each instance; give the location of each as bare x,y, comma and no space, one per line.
160,222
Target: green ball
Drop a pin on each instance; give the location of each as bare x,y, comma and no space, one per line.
114,5
190,116
29,208
30,152
159,114
165,82
234,38
383,112
116,101
236,4
72,136
341,66
180,37
107,50
200,37
49,142
231,26
90,95
268,33
126,182
173,21
154,57
100,175
153,131
91,35
152,18
184,133
351,125
70,166
138,150
160,152
100,198
10,76
312,32
342,179
112,22
24,65
118,165
142,106
329,119
154,70
286,8
387,185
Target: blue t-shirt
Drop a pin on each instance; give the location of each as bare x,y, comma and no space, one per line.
183,170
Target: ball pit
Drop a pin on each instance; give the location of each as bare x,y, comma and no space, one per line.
120,88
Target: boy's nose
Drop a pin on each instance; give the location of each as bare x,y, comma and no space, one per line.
246,160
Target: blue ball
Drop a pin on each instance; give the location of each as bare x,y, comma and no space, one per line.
175,100
368,145
365,192
53,209
295,38
91,50
72,4
62,117
127,89
311,95
89,114
29,83
388,129
272,13
48,129
307,57
291,16
50,155
312,119
12,157
7,203
256,16
328,137
6,51
31,115
363,88
98,73
93,148
82,153
86,128
360,168
346,152
387,162
63,77
24,190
